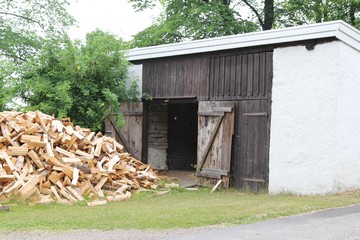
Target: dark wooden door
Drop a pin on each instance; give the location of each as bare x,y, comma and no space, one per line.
215,131
130,135
251,147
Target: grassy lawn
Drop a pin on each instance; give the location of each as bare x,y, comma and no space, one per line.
177,209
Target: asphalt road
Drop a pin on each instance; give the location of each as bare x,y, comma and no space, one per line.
341,223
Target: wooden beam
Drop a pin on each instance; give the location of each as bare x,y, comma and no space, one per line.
212,138
216,186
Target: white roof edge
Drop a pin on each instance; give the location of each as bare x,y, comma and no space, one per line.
349,35
338,29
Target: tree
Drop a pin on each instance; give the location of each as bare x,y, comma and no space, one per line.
23,26
23,23
85,82
296,12
196,19
192,19
265,15
5,80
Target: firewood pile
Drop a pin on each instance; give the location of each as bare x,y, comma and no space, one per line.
44,160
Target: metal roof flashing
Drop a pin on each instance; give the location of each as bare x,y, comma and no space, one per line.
337,29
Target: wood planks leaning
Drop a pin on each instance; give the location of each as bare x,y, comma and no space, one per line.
44,160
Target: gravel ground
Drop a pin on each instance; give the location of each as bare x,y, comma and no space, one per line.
97,234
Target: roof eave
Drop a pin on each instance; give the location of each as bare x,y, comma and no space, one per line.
338,29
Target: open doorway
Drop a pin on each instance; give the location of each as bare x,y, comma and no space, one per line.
182,136
172,139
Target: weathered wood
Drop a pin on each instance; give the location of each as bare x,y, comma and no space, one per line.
212,173
252,144
216,186
130,134
210,143
215,139
256,114
254,180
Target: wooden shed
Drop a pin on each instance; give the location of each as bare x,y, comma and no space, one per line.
273,110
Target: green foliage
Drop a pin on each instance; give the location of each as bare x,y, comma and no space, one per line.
192,19
197,19
23,23
7,69
85,82
295,12
23,26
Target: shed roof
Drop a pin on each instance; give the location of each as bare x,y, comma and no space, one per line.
338,29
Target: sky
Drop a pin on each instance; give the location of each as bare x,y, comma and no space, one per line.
116,16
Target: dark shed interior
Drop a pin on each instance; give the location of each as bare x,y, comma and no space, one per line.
182,136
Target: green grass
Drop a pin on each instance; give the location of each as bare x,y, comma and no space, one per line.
177,209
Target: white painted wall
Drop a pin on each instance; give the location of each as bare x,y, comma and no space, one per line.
315,124
347,170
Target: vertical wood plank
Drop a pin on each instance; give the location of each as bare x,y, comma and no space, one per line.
244,75
233,84
262,75
252,134
132,129
256,78
227,77
250,75
269,73
238,75
214,136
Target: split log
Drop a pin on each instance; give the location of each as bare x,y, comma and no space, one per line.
43,159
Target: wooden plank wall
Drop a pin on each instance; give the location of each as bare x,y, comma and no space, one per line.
251,154
182,76
241,76
230,75
132,129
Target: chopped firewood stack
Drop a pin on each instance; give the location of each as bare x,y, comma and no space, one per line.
44,160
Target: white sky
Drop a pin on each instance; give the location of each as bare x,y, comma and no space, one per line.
116,16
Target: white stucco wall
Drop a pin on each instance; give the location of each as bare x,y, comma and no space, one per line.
315,124
347,170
